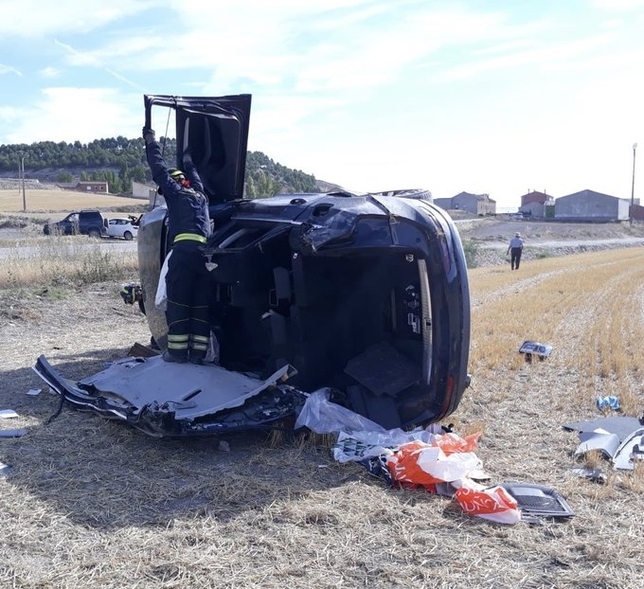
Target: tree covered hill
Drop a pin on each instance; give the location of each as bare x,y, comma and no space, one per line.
119,161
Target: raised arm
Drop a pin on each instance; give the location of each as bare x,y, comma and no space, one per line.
157,164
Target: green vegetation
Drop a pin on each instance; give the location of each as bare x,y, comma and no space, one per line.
119,161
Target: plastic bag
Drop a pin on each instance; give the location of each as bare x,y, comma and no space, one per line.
418,463
494,504
324,417
161,297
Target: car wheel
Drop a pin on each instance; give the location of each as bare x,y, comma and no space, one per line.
128,236
94,233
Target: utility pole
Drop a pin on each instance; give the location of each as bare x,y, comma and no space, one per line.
633,185
24,196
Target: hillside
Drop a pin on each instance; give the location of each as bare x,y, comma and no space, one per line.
120,161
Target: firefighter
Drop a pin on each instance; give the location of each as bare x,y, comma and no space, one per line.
187,280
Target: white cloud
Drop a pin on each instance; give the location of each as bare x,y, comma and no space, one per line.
70,114
34,18
618,4
7,69
49,72
90,59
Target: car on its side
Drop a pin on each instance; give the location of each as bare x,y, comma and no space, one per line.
363,295
122,228
85,222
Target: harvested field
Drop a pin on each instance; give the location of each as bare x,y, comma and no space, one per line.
92,504
57,200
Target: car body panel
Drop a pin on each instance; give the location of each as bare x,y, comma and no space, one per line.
190,401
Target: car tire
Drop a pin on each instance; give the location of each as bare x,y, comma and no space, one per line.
128,236
95,233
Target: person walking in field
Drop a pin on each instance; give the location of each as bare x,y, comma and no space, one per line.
515,249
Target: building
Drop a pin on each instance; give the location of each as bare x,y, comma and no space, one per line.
534,204
140,190
85,186
94,187
477,204
637,211
588,205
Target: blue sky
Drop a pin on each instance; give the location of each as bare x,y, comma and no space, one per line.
478,95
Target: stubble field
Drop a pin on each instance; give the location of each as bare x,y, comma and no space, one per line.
90,503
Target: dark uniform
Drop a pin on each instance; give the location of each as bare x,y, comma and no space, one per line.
187,280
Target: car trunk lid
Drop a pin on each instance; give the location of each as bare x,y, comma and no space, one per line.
216,132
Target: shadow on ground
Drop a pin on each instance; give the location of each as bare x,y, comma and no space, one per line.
104,474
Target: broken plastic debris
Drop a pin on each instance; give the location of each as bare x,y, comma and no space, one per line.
619,438
34,392
531,348
4,468
592,474
537,501
609,402
7,413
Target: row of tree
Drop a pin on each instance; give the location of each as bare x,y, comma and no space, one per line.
120,161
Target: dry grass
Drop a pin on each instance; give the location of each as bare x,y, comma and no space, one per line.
93,504
60,200
60,260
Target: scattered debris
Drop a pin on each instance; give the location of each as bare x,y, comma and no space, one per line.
4,468
7,413
531,348
438,460
224,446
34,392
140,351
164,399
610,402
594,475
619,438
537,502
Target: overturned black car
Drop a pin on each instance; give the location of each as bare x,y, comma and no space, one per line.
366,294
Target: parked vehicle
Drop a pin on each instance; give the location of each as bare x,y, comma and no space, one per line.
364,294
86,222
122,228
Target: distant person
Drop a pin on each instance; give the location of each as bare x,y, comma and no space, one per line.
187,280
515,248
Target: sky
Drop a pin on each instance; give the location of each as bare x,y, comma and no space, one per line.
483,96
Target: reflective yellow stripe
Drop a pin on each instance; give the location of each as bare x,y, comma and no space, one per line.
190,237
177,346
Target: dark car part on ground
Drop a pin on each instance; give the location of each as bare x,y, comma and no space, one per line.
194,407
86,222
366,294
